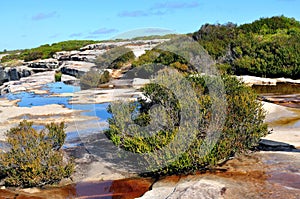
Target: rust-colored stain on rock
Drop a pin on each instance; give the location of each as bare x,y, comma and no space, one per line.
118,189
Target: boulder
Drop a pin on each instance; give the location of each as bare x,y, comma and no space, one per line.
139,83
187,188
25,72
203,189
13,74
76,68
3,76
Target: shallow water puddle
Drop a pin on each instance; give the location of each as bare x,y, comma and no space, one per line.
30,99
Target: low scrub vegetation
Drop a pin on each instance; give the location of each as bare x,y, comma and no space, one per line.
242,129
46,51
35,157
115,58
57,76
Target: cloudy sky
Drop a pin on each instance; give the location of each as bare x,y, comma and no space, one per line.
30,23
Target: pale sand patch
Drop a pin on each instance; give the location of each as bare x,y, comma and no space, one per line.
8,103
103,96
11,115
251,80
276,112
283,121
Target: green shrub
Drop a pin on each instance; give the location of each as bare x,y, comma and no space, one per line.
104,77
166,58
57,76
35,158
32,55
241,132
115,58
268,47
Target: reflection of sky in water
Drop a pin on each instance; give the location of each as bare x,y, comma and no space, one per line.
60,87
98,110
29,99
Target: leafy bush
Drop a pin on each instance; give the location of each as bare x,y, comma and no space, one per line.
35,158
216,38
268,47
242,130
164,58
104,77
115,58
32,55
57,76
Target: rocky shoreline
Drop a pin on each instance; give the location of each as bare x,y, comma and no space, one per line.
231,184
74,63
264,174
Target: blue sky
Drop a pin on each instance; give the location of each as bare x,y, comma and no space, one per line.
30,23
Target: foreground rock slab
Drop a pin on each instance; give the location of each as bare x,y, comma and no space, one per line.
261,175
188,188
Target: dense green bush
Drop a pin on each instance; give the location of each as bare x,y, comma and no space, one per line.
242,130
57,76
216,38
35,158
104,77
165,58
268,47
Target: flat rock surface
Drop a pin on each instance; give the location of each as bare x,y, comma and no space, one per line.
284,123
252,80
261,175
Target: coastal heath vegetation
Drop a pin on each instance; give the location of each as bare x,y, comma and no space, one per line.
35,158
243,128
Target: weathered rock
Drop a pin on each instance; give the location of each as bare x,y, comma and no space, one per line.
76,68
190,187
86,55
30,83
65,55
26,73
48,64
13,74
202,189
269,145
252,80
3,76
138,82
148,44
